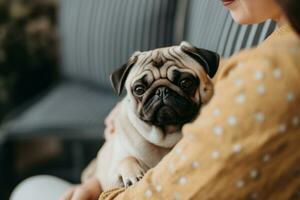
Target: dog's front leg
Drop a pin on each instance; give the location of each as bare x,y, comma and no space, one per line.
130,171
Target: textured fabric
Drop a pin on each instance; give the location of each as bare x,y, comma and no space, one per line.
245,143
38,187
209,25
99,35
68,108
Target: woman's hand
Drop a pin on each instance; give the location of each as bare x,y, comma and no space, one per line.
109,122
90,190
78,193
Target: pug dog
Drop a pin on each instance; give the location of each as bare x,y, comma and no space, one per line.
166,89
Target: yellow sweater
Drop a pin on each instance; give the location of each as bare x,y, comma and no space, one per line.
245,143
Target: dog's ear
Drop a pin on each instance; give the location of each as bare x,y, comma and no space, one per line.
208,59
119,76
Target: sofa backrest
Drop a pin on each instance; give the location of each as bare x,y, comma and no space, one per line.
98,36
209,25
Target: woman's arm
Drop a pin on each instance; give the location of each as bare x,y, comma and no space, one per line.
243,145
89,190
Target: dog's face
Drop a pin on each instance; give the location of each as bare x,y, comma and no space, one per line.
167,86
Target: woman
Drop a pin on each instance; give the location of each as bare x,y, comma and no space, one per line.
245,143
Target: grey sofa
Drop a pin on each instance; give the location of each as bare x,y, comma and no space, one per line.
97,36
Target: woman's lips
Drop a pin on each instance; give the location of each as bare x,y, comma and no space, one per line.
227,2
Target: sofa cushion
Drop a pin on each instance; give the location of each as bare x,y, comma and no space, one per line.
98,36
70,108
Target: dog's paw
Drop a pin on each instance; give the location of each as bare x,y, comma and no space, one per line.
132,175
130,171
131,179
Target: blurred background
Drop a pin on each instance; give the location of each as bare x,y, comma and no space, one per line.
55,60
29,50
29,62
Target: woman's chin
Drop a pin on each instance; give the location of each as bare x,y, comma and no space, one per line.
242,18
238,14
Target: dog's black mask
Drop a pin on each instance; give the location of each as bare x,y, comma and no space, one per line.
163,106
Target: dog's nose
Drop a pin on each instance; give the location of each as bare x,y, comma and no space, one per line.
162,91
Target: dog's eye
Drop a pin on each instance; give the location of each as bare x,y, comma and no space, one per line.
139,89
186,83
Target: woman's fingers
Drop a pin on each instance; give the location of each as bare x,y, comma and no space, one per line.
109,122
81,194
110,118
68,195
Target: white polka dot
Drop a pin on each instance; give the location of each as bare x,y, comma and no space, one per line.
260,117
266,158
148,193
277,73
195,164
218,130
215,154
238,82
254,173
182,180
216,112
240,99
241,65
190,136
158,188
183,158
237,148
258,75
177,196
261,89
232,120
295,120
178,151
290,97
240,183
171,167
281,128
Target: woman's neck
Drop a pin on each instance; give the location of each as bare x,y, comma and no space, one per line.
280,20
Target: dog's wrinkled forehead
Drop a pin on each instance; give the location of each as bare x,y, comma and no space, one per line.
158,57
160,63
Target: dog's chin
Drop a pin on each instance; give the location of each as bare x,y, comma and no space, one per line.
170,109
167,116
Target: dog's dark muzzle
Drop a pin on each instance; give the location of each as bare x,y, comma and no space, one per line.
163,106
